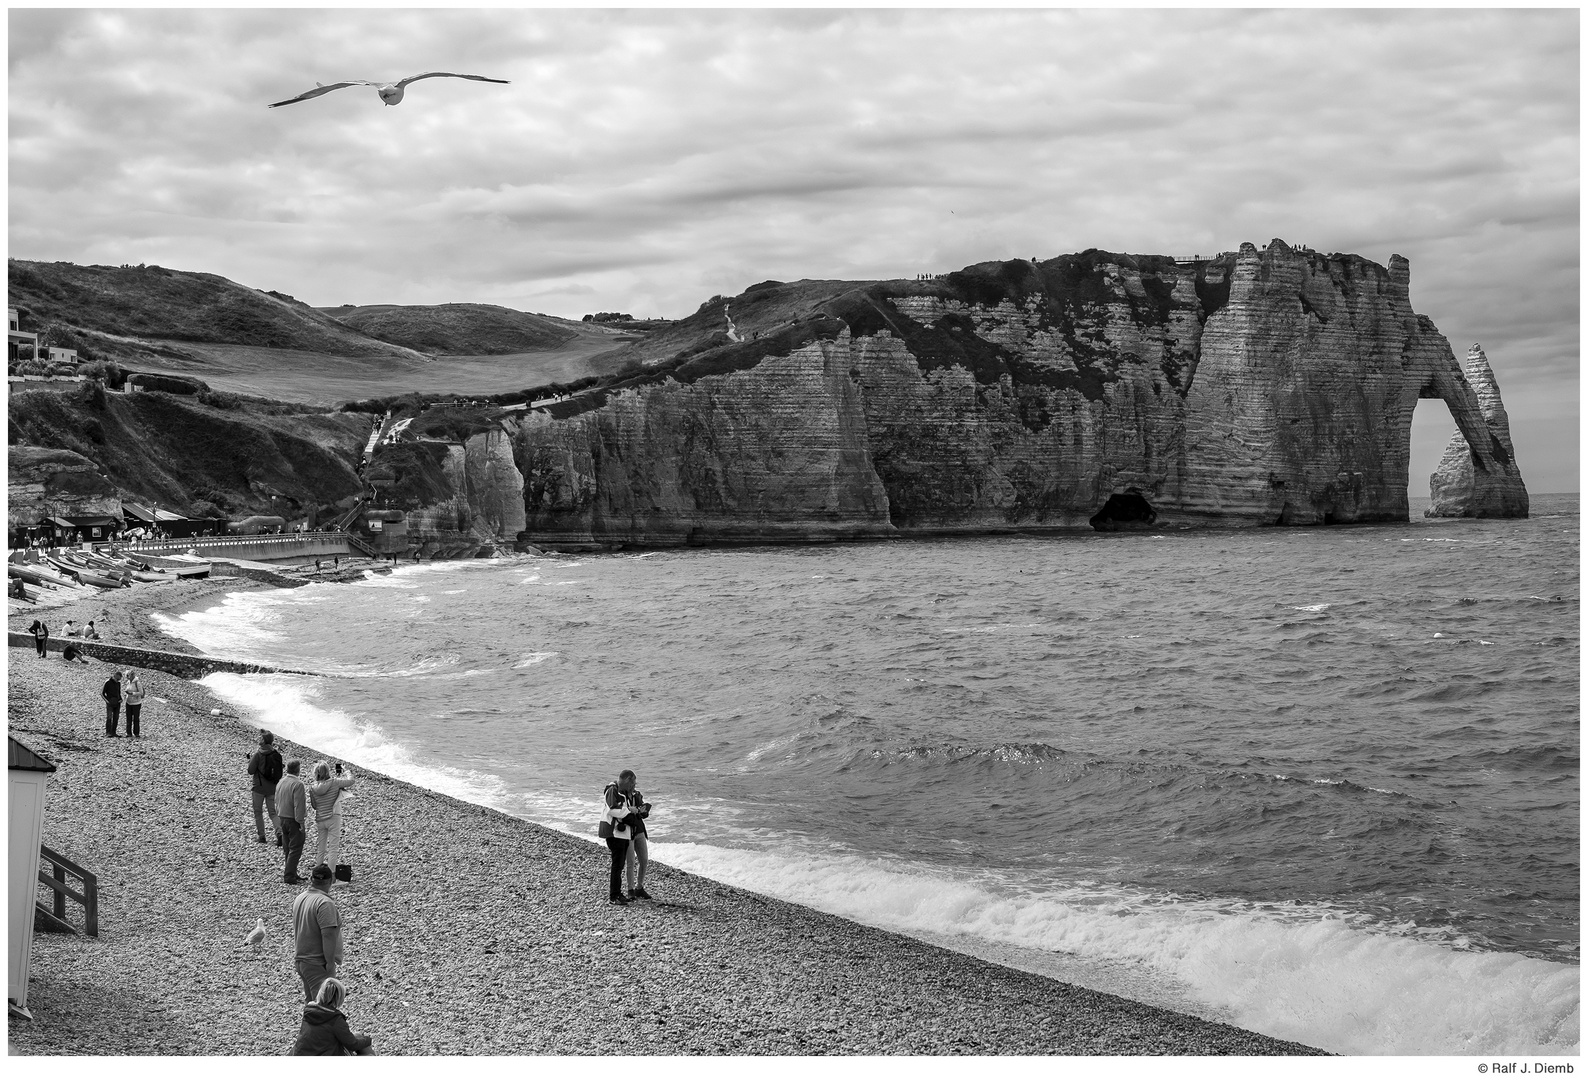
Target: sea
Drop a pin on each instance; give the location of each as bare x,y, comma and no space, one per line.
1320,783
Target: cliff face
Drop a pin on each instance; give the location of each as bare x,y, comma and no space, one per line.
774,453
1270,387
1468,483
44,483
208,460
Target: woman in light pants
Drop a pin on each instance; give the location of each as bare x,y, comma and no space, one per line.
326,796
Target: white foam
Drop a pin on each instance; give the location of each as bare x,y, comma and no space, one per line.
372,580
534,658
285,705
1313,607
1288,971
239,624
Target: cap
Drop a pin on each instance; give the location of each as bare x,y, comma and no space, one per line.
265,738
322,873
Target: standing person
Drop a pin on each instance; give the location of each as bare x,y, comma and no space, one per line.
617,830
326,795
317,925
265,767
41,637
291,810
324,1031
111,692
133,694
639,846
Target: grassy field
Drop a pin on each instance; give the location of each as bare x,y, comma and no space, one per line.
318,379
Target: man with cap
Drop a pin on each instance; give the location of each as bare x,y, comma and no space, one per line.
292,806
317,926
265,767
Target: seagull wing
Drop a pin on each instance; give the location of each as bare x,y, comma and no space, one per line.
318,90
447,75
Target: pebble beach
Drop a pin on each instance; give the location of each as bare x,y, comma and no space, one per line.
468,931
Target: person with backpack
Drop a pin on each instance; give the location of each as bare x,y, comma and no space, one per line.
265,767
41,637
617,829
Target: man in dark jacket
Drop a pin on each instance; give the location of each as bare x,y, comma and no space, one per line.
41,636
112,695
325,1030
265,768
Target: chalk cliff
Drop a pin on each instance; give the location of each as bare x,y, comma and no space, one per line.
1261,387
43,483
1467,484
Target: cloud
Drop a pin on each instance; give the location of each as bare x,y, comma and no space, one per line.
644,160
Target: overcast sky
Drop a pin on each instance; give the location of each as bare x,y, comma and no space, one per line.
642,161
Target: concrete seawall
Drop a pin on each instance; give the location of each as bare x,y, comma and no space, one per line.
181,665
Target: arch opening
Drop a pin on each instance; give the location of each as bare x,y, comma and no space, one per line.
1433,426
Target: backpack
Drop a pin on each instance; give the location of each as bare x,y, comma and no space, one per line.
270,768
604,829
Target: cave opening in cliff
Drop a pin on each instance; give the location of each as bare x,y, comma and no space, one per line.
1432,428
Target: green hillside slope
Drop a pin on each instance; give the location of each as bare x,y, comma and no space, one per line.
151,303
200,458
457,329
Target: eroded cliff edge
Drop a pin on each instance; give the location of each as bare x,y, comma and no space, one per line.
1262,387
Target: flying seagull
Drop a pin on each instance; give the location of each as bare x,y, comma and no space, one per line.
390,93
255,936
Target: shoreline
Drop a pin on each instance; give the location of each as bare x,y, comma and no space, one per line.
469,931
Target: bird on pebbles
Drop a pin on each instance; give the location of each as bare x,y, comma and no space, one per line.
391,93
256,936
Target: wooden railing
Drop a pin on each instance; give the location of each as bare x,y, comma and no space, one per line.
54,918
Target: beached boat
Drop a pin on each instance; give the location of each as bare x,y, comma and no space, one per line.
86,575
44,578
116,566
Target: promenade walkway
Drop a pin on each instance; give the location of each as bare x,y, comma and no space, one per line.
273,547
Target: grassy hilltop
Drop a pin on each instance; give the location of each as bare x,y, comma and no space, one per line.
457,329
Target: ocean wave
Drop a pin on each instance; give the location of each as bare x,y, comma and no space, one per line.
534,658
240,625
1293,971
286,704
372,580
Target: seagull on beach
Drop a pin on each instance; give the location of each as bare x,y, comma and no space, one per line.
256,936
390,93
